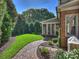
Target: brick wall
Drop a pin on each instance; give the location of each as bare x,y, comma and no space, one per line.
62,25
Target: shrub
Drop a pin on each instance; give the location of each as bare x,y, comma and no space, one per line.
6,28
55,41
68,55
44,51
59,54
50,42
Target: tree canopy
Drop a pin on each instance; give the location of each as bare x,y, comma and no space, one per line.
8,14
28,21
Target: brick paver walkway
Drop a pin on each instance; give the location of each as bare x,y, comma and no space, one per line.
29,51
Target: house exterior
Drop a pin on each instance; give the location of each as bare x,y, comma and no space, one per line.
50,27
68,13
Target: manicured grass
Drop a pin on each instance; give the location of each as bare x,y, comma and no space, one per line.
20,42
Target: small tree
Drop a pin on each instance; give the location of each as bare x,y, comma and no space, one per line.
6,28
2,13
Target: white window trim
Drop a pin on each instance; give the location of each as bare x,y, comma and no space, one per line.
76,25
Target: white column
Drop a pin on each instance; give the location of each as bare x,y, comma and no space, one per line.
50,29
54,29
47,29
42,29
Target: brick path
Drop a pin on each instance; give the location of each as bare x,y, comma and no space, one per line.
29,51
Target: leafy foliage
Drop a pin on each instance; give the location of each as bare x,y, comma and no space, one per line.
2,9
33,15
26,28
50,42
37,28
8,14
28,22
20,26
44,51
2,13
6,29
31,28
68,55
55,40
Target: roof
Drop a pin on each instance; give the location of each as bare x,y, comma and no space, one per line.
55,20
69,4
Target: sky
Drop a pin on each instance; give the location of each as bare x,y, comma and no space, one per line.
23,5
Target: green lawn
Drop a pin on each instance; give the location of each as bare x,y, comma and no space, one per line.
20,42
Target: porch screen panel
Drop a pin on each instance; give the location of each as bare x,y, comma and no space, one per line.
71,25
68,25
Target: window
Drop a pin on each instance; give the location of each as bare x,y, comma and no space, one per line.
71,24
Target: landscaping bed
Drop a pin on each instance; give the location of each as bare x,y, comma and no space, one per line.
47,50
20,42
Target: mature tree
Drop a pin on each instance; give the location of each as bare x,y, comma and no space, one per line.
33,15
32,28
2,13
6,29
26,28
20,26
8,14
37,28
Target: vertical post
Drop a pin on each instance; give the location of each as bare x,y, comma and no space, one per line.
50,29
54,29
47,29
42,29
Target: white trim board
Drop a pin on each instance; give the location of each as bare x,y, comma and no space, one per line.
70,8
69,4
51,23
